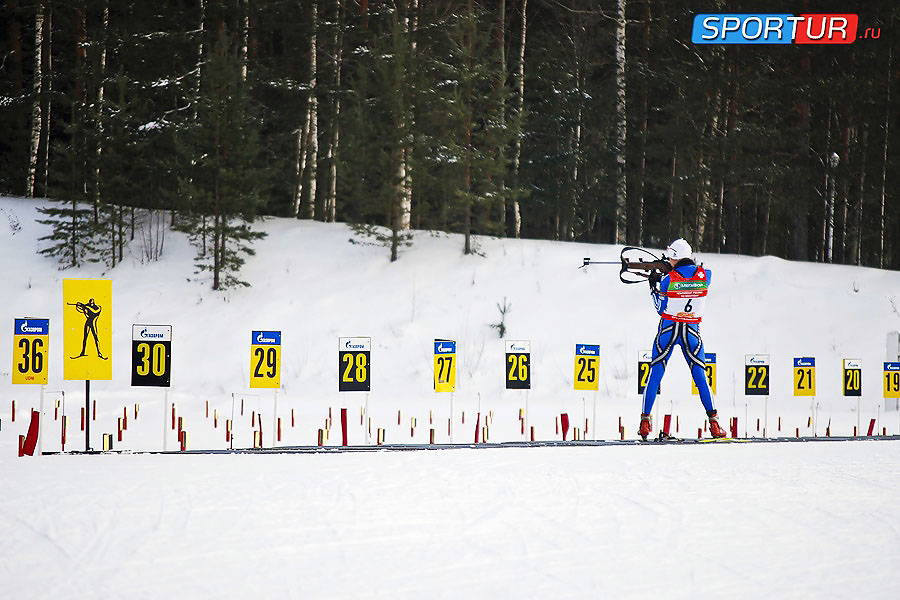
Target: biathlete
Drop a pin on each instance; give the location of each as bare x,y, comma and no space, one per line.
679,297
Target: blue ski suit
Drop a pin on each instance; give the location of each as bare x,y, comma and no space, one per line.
670,333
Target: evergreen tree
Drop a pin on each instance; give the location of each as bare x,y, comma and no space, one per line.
224,188
469,128
383,85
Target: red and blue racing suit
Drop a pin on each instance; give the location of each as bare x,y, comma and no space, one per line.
679,300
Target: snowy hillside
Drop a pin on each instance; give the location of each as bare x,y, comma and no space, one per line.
744,520
312,284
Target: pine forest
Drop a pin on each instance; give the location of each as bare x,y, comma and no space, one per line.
574,120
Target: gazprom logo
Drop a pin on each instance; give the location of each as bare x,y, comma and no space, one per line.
892,366
444,347
34,327
354,344
587,350
266,337
149,335
757,359
806,361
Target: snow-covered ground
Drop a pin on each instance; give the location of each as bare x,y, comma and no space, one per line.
814,520
784,520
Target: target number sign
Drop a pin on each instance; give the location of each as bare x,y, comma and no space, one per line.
518,365
151,355
587,367
892,380
756,375
354,364
31,341
805,376
444,366
265,359
710,369
852,377
644,359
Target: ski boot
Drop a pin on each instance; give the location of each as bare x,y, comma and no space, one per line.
715,429
645,428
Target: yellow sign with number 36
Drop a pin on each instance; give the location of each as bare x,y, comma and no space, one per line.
31,342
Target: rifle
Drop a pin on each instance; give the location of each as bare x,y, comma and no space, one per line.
632,263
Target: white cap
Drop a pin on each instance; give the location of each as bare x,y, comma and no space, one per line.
678,249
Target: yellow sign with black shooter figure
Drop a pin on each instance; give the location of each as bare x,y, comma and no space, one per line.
31,343
87,329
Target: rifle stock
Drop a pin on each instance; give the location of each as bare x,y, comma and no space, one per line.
644,269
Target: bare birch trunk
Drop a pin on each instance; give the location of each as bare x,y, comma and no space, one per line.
98,150
313,116
48,94
576,156
621,127
884,157
825,197
703,196
856,232
846,144
801,205
765,219
300,165
674,220
245,37
36,114
638,236
401,186
199,59
331,201
520,103
500,38
733,208
218,226
195,108
467,178
404,174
